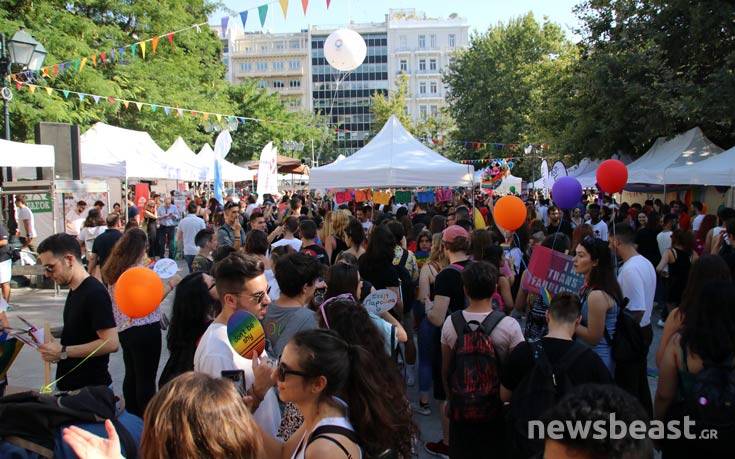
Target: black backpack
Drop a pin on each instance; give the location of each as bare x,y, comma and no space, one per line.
711,402
408,286
474,370
537,392
628,344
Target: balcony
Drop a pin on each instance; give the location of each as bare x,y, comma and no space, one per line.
242,52
266,73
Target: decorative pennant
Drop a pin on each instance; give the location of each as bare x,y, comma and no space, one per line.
219,117
142,49
126,103
134,49
284,7
112,55
262,12
66,93
244,18
154,44
32,88
96,99
167,110
205,116
154,107
197,28
49,91
76,64
44,72
18,85
82,63
103,56
94,59
170,38
120,53
111,100
304,5
180,112
328,2
139,105
223,22
81,96
55,70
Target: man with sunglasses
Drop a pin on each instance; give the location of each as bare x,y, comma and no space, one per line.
241,285
89,325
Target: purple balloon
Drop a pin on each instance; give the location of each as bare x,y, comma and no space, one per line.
566,192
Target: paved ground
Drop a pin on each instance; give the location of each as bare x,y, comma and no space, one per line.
38,306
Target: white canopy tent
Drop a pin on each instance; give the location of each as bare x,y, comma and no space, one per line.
230,172
718,170
685,149
184,160
18,154
110,151
393,158
588,178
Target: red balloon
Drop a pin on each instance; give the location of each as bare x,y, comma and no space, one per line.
138,292
510,213
612,176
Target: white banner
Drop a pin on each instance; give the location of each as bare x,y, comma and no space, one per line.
267,172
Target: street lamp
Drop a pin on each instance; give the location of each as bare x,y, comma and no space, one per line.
22,50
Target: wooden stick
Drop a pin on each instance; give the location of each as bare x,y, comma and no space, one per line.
46,365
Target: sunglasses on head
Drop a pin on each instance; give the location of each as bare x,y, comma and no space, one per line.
344,296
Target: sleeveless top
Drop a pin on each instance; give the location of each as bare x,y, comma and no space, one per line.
602,348
686,379
678,275
339,247
341,421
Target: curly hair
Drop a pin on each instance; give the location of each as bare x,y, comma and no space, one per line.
127,252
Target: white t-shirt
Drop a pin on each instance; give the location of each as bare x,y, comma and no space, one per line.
697,222
505,336
543,213
664,241
24,213
249,209
273,284
74,221
599,229
88,235
637,279
189,227
295,243
214,354
366,226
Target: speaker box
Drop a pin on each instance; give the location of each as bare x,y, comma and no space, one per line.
65,140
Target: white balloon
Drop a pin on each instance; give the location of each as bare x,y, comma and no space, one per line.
345,49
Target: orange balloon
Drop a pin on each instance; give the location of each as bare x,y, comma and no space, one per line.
510,212
138,292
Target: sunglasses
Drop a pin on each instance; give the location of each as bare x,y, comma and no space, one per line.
260,296
344,296
284,371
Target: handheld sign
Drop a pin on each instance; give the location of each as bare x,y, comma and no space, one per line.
245,334
166,268
380,301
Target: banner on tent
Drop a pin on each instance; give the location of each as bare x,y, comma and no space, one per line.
142,195
553,271
39,202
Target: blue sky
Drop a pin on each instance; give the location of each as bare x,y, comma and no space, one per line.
480,13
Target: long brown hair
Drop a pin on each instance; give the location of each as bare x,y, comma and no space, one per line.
195,415
125,254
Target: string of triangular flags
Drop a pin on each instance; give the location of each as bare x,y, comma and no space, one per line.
486,160
383,197
262,13
113,55
473,145
166,109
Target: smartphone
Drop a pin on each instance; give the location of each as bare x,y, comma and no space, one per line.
237,377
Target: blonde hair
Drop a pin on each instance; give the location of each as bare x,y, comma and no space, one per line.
437,256
195,415
340,221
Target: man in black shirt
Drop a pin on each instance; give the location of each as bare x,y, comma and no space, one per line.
557,223
89,325
308,242
104,243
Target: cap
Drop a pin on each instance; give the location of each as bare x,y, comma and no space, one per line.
454,231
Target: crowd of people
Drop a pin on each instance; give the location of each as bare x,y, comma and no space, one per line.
487,355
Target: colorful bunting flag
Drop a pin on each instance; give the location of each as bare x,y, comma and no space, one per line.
94,59
66,94
83,62
120,53
126,103
96,98
154,44
55,70
49,90
180,112
284,7
32,88
76,64
103,56
219,117
81,96
154,107
139,105
44,72
223,22
142,49
304,5
205,116
112,55
134,49
244,18
170,38
167,110
262,12
328,2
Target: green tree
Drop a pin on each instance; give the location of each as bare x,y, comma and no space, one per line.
500,87
383,107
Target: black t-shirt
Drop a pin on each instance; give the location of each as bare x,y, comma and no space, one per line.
317,252
449,283
588,368
564,228
4,250
421,218
380,276
88,308
103,244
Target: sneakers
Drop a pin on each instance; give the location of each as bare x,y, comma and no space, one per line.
422,408
437,448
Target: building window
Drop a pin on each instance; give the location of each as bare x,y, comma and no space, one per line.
404,65
294,84
294,44
422,41
422,88
402,42
432,39
262,84
432,64
452,40
434,110
278,45
278,84
246,67
422,111
262,66
278,65
422,65
434,87
225,46
294,64
263,48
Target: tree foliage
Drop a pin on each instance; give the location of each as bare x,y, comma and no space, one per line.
189,74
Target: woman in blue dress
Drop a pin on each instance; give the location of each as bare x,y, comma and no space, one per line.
601,297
